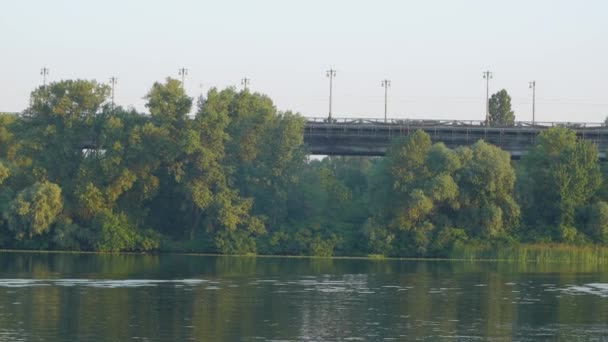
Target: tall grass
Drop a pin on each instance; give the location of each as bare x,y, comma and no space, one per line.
533,253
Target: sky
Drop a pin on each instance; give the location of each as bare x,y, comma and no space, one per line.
433,51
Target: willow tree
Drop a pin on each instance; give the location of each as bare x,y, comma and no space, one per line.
486,203
422,187
34,210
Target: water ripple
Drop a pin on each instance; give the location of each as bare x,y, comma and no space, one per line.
101,283
598,289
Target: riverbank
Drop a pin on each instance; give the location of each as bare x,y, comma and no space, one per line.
466,252
532,253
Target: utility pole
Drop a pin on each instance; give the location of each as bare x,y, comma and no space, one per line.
183,72
113,81
245,82
386,84
331,73
44,72
487,75
533,87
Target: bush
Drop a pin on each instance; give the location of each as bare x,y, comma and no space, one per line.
114,233
239,242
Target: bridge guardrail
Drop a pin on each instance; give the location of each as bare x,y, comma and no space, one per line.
373,135
451,123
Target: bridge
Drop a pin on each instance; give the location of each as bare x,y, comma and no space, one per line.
372,137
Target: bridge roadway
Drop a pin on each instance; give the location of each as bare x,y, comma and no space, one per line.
371,137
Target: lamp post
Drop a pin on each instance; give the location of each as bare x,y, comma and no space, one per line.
331,73
533,87
44,72
113,81
386,84
245,82
183,72
487,75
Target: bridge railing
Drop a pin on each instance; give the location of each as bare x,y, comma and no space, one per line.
433,122
368,132
451,123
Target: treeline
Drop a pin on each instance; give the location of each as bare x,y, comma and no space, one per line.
78,174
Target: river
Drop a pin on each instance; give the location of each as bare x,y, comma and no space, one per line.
96,297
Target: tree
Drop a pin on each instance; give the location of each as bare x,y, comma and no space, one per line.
34,210
62,119
326,209
264,155
196,184
78,174
486,206
596,226
168,102
422,190
561,173
500,109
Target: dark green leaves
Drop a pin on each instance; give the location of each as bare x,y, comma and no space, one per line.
500,109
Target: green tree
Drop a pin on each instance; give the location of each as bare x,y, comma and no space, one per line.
265,152
5,172
197,198
34,210
422,191
486,204
235,179
61,121
116,179
168,103
500,109
561,174
596,226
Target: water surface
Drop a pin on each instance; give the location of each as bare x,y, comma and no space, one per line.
88,297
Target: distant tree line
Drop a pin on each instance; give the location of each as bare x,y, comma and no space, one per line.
77,174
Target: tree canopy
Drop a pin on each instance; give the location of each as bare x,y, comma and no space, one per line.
232,176
500,109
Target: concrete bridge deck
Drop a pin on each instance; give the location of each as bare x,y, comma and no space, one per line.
371,137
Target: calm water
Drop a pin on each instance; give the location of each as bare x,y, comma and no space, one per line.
65,297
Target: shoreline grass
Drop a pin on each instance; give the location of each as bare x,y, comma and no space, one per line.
560,253
538,252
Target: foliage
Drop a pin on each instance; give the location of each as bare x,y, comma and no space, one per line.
562,175
234,178
500,113
486,182
596,226
34,210
437,197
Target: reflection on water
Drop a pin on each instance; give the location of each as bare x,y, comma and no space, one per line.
68,297
96,283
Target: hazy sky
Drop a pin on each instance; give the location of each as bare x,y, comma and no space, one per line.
433,51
